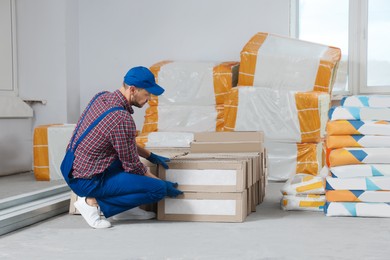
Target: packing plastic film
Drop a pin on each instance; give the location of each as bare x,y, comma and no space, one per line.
359,113
347,156
287,159
357,127
357,196
190,86
358,183
357,209
308,202
279,62
284,116
50,142
300,184
361,170
366,101
366,141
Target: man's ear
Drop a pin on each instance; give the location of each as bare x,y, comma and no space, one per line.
132,89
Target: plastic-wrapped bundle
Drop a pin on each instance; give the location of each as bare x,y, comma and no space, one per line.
357,127
284,116
193,98
50,142
361,170
283,63
301,184
308,202
366,101
359,113
287,159
357,196
366,141
358,183
357,209
347,156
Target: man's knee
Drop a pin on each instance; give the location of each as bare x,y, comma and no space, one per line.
160,191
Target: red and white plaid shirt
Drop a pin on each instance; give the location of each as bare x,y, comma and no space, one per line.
113,138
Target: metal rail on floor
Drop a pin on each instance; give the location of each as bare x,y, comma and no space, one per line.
23,210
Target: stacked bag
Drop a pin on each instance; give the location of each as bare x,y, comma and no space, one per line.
358,148
304,192
193,101
284,89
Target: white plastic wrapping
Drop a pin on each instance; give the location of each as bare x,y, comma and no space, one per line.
271,111
303,202
187,83
187,118
287,64
58,139
302,184
287,159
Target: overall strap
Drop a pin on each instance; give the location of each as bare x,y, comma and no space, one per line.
82,119
94,124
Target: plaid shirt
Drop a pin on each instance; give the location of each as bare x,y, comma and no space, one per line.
113,138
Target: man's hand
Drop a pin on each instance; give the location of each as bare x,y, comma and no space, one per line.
171,189
157,159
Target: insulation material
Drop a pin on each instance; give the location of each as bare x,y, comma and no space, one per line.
284,116
359,113
347,156
193,90
58,140
358,183
303,202
357,209
283,63
357,127
361,170
49,145
287,159
357,196
366,141
303,184
365,101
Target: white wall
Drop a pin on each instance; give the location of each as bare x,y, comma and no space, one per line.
69,50
117,35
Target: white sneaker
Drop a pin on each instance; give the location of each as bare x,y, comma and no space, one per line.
134,213
91,214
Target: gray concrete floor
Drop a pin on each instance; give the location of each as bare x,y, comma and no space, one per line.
269,233
25,182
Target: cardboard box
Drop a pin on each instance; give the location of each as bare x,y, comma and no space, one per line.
226,147
207,175
229,137
199,206
253,159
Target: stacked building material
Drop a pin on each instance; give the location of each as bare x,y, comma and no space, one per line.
358,151
49,146
193,100
283,90
223,178
304,192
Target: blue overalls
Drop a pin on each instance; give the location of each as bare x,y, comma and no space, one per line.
114,189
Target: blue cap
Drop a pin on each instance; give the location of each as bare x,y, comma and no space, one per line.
142,77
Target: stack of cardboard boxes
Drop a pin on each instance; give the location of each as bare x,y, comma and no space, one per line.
223,178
